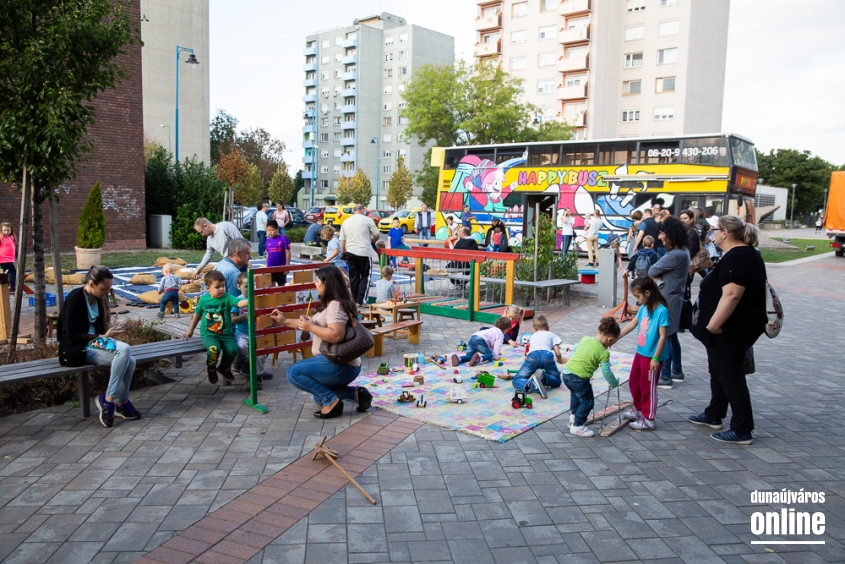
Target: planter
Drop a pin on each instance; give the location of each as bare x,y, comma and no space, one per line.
86,258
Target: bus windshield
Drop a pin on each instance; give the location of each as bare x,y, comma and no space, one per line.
744,155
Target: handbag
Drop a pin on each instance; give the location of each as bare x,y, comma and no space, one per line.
686,315
71,356
748,366
357,341
701,261
774,312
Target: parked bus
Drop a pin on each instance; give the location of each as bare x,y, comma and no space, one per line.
717,172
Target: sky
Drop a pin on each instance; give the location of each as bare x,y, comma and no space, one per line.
784,77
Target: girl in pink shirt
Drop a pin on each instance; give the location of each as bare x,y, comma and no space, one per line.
485,344
8,252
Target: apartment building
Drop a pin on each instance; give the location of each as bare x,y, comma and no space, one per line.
354,80
613,68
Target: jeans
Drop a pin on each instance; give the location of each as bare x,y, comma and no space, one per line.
324,379
219,347
122,368
242,340
565,244
581,398
425,233
538,360
593,248
672,365
359,277
262,241
477,345
170,296
10,268
728,386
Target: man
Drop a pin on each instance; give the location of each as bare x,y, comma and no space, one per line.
357,235
466,217
261,226
422,223
468,243
218,237
648,226
312,234
238,253
593,225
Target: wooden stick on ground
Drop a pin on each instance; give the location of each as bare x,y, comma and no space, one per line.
331,455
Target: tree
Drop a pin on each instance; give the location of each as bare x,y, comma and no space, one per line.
91,231
262,150
150,147
298,184
282,186
356,189
202,192
811,175
224,128
251,189
400,187
231,169
427,178
161,195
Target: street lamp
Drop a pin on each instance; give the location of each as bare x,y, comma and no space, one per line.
168,136
377,141
192,60
313,171
792,212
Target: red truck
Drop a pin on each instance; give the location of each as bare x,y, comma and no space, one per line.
834,214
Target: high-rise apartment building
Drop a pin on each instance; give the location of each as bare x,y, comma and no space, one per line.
613,68
354,79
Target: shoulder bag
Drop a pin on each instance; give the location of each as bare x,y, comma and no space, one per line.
358,340
701,261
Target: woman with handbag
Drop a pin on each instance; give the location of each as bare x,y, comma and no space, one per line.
328,381
86,337
731,316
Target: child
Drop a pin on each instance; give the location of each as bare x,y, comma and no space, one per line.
639,264
454,232
386,287
485,344
396,238
242,334
8,253
214,309
169,286
653,323
544,349
514,314
278,251
332,247
498,234
588,355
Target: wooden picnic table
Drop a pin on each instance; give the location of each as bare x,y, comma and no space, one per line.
392,308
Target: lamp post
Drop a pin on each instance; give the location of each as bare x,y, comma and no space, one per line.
168,136
824,207
313,171
792,212
192,60
377,141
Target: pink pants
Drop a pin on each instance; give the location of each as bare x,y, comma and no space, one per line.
643,385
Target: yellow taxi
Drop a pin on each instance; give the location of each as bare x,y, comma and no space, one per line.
336,215
406,220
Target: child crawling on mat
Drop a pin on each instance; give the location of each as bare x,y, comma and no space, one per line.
544,349
485,344
588,355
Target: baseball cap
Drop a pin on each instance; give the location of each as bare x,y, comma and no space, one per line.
713,220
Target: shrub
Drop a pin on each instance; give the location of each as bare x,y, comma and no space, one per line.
295,234
91,233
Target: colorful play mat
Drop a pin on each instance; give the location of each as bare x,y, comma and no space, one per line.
486,412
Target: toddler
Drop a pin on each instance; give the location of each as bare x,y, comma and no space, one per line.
588,355
169,286
239,320
386,288
214,310
485,344
278,251
498,234
639,264
544,349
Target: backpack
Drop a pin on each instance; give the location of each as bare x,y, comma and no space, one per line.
774,312
642,265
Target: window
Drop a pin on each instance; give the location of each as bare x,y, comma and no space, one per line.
387,154
337,73
388,106
388,73
352,35
669,27
338,40
325,107
631,87
518,64
387,138
323,75
387,122
546,59
388,57
338,57
575,80
403,153
403,55
575,52
664,3
664,113
324,92
545,86
334,184
549,5
388,40
630,115
633,60
324,154
636,5
349,134
350,118
548,32
324,138
519,37
401,88
403,38
633,32
403,71
337,105
519,9
403,120
665,56
310,60
388,89
326,43
488,38
386,169
666,84
336,136
491,11
577,23
324,122
337,153
324,184
336,120
325,59
336,168
324,170
402,105
337,89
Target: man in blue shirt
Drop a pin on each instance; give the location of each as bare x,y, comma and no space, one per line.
312,234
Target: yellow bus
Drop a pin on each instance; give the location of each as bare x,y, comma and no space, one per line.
717,172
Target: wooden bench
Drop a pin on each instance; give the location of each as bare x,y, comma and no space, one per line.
50,367
412,326
303,251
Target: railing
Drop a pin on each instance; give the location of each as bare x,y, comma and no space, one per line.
574,35
571,7
489,22
573,64
487,49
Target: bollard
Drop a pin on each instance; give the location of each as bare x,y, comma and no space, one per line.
607,278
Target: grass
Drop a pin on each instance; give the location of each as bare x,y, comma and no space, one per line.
783,255
126,258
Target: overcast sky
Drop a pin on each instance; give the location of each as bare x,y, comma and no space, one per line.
784,84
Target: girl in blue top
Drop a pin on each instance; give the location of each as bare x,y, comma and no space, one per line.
652,324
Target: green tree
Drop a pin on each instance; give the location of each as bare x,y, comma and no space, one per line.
224,129
231,169
160,192
356,189
298,184
197,186
282,186
91,231
400,187
251,189
427,178
810,174
262,150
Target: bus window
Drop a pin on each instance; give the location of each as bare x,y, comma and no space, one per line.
705,151
485,153
660,152
506,154
453,157
618,153
579,155
743,154
544,155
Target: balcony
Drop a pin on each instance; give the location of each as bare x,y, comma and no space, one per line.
351,75
347,158
488,49
347,141
348,109
308,144
310,51
349,92
308,159
308,114
347,125
309,128
309,82
577,120
573,64
571,92
350,60
309,98
489,23
309,67
577,35
346,173
572,7
350,43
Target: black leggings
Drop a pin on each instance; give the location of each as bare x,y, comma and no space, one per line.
13,273
725,360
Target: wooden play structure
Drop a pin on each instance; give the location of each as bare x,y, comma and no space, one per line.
623,312
321,449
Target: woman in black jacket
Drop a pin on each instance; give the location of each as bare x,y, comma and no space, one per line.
86,337
488,240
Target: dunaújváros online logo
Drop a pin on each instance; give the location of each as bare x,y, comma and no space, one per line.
808,526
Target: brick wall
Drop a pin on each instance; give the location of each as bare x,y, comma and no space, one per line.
117,162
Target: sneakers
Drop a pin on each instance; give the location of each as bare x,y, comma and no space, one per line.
677,376
455,360
537,381
106,410
227,374
581,431
571,421
476,358
212,375
643,424
161,315
632,414
178,315
664,383
127,411
702,420
266,375
732,437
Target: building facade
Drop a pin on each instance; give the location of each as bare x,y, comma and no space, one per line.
354,78
166,24
613,68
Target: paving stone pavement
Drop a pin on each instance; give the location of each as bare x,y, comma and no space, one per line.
73,491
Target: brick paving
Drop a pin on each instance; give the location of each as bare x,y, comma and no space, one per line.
73,491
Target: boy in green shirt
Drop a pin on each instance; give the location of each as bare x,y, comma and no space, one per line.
588,355
214,309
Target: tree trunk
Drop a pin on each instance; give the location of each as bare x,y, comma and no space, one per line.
55,245
21,264
39,333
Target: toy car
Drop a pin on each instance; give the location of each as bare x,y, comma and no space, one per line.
457,379
421,402
456,395
486,380
525,338
521,399
383,369
462,346
406,397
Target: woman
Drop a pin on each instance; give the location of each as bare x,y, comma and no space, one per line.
633,230
693,235
488,240
567,231
281,216
326,381
454,232
8,253
672,268
333,246
86,337
732,315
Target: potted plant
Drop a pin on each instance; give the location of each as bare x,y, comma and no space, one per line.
91,233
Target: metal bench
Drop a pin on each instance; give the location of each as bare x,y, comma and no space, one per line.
539,285
303,251
50,367
412,326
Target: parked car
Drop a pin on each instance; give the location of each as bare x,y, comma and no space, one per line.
406,221
336,215
378,215
315,213
298,219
